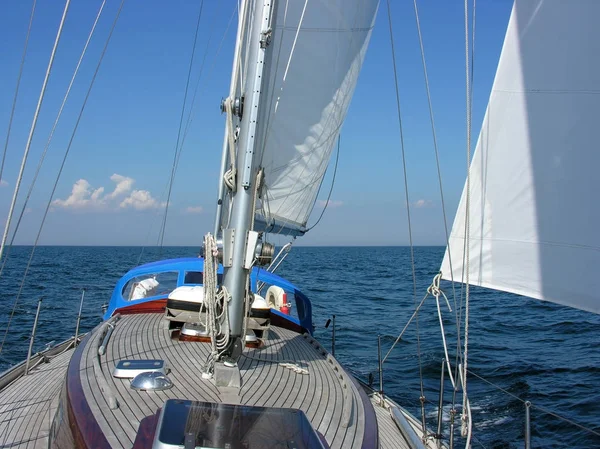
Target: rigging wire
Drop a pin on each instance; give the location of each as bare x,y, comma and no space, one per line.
337,158
539,407
14,104
190,120
462,288
458,310
200,72
407,199
466,428
87,95
174,166
435,147
33,126
43,156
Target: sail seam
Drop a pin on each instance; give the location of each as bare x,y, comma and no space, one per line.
531,242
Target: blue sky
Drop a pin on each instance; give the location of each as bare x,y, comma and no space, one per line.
115,178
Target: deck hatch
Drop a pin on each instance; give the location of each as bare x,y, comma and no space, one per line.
185,424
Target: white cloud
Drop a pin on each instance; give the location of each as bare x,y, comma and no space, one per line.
330,203
140,200
123,185
193,210
420,204
83,195
3,183
95,196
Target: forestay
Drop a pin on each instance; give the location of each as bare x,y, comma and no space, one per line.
534,209
317,50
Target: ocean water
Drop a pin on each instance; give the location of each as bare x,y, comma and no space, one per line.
535,351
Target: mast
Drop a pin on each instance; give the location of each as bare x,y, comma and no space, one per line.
233,91
236,243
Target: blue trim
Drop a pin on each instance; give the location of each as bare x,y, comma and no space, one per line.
303,305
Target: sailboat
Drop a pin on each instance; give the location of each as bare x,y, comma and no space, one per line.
218,351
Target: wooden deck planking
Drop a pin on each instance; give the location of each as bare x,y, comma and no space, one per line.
96,399
265,383
28,404
329,398
326,394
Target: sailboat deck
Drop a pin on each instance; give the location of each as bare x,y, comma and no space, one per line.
336,406
27,406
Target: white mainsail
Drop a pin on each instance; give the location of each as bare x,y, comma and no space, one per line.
317,52
535,181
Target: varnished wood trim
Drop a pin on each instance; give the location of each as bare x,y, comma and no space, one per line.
147,429
371,433
84,427
155,306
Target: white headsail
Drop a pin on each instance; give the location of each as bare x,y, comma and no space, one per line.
535,180
317,52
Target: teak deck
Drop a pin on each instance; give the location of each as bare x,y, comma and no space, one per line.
333,401
27,406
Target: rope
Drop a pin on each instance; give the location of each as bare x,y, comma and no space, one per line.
87,95
40,163
230,176
435,290
215,322
174,165
14,104
466,422
412,254
283,363
466,425
32,129
337,158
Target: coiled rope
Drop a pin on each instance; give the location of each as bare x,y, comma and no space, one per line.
213,300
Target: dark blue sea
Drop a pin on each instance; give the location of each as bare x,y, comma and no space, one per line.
535,351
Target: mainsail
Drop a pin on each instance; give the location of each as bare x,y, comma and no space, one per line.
534,208
317,52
